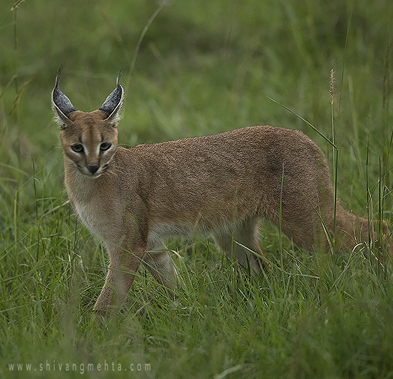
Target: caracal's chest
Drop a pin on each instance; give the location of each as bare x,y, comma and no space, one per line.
93,207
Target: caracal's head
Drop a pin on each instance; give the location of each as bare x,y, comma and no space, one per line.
89,139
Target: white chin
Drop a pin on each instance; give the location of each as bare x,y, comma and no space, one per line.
93,176
90,175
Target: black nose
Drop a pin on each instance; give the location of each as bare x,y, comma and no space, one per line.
93,168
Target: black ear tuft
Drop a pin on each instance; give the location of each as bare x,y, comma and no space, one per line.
113,102
61,104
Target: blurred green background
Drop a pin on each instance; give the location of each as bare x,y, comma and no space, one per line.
202,67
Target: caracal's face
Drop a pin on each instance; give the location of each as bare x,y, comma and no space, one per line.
89,142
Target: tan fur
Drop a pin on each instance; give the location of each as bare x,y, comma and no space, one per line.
222,184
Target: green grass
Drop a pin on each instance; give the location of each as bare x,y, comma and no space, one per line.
202,67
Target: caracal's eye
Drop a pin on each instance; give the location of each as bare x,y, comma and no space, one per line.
105,146
78,148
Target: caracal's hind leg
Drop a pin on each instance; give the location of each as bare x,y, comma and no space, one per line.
160,265
239,244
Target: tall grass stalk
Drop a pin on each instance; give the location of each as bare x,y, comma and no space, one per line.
14,9
162,4
334,155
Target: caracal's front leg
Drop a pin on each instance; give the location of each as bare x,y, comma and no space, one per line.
122,269
160,265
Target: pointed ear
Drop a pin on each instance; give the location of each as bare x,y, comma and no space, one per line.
113,102
61,105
